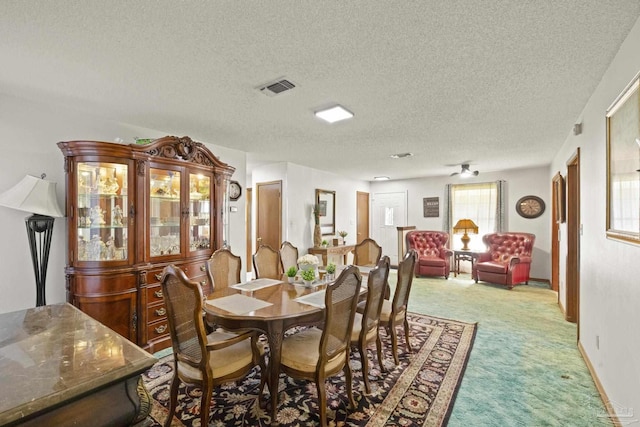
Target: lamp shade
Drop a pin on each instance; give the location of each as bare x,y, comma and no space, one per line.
33,195
465,226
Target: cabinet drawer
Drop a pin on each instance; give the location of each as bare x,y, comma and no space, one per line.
104,284
203,281
194,269
154,276
154,294
157,330
156,312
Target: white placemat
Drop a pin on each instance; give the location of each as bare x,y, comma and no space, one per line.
256,284
315,299
238,303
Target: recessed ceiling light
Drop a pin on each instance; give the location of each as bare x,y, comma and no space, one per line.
381,178
401,155
334,114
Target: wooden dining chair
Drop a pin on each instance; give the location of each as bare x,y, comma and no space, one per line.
367,253
201,359
313,354
266,263
366,322
394,312
223,268
288,256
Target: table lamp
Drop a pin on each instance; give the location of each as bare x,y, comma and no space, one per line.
465,226
39,197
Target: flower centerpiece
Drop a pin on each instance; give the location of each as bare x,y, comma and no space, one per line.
309,262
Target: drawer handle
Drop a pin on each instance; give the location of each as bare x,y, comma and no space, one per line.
202,268
161,329
161,311
158,277
203,283
158,294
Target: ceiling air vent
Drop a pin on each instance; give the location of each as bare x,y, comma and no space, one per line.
277,87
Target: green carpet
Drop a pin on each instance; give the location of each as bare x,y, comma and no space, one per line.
525,368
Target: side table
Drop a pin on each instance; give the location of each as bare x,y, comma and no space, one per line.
460,255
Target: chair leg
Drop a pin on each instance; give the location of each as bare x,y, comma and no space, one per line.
205,403
349,380
364,361
259,360
379,351
173,400
394,343
322,399
406,333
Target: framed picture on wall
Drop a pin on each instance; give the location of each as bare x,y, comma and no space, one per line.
623,165
559,200
431,207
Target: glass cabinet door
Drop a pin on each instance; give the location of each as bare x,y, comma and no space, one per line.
164,212
199,212
102,211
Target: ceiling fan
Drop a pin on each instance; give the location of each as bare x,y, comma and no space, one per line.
465,172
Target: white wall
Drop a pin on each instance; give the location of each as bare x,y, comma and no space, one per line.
29,132
298,197
520,182
609,269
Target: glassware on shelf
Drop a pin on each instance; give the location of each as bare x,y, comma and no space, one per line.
102,225
199,212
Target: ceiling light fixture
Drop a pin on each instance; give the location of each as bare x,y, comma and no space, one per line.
334,114
401,155
381,178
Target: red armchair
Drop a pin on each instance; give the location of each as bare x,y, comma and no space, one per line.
507,260
434,258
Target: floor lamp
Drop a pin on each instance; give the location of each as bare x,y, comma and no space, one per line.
39,197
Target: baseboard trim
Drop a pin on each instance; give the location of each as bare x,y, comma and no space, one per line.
547,281
603,395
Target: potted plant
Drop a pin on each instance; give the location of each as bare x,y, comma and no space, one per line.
291,274
331,272
325,243
308,276
343,234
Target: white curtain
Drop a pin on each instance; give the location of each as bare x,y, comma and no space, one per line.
480,203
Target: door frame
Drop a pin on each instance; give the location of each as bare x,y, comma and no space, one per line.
572,312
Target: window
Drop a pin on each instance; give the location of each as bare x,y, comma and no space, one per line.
479,203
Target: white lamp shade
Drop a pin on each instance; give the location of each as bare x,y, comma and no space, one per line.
33,195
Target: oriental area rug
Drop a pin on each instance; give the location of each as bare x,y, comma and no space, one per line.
420,391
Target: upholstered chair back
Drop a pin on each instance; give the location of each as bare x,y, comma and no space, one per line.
504,246
427,243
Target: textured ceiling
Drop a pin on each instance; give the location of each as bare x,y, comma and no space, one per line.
496,83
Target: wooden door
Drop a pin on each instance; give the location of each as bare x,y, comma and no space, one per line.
555,235
249,226
269,214
573,240
362,216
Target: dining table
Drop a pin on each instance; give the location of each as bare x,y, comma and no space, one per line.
272,307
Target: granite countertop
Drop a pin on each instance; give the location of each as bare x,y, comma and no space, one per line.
55,353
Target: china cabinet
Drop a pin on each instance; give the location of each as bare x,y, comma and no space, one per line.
131,211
